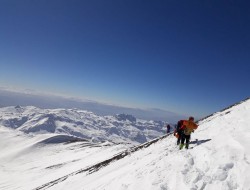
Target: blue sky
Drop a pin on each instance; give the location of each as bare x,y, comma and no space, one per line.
190,57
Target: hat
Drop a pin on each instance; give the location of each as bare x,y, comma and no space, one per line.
191,118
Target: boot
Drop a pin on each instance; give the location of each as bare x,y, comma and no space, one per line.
186,146
178,141
181,146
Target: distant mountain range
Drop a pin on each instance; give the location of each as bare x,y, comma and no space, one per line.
120,128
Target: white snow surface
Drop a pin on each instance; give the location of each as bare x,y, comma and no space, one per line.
219,159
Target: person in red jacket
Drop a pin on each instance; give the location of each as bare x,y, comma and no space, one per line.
188,126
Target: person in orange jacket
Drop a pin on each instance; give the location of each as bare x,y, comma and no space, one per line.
188,126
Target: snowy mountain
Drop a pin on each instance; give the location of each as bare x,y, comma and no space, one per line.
121,128
218,159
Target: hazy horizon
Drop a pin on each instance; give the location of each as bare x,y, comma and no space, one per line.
14,97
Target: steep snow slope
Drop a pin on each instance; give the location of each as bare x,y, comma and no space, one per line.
83,124
219,160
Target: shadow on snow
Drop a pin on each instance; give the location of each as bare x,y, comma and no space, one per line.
198,142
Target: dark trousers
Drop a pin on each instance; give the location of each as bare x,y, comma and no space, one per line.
185,138
179,139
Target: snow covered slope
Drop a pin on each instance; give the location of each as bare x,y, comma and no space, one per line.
219,159
83,124
27,161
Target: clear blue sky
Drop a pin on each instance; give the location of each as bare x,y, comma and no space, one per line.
191,57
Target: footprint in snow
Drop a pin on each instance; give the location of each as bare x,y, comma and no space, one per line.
188,166
191,161
222,172
164,187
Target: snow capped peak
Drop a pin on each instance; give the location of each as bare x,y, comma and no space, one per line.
124,117
18,107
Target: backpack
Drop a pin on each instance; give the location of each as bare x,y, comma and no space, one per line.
179,124
189,127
